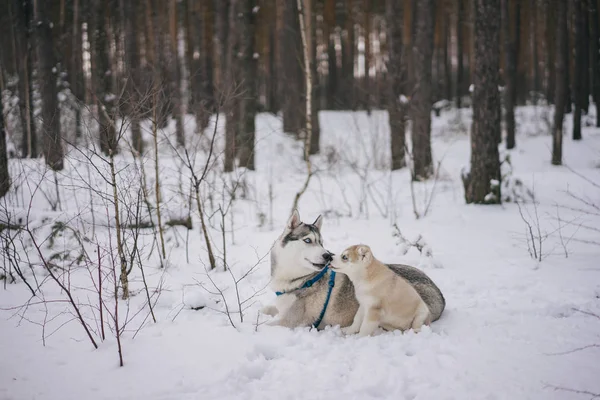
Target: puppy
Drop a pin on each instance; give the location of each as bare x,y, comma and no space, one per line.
385,298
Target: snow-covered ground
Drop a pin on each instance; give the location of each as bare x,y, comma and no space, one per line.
511,330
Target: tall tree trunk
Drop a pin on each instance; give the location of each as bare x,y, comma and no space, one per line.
560,96
585,62
329,39
291,87
510,74
311,41
25,53
348,52
249,68
102,77
578,79
533,15
421,100
595,57
396,74
132,56
77,75
367,37
482,183
231,100
4,175
175,72
47,75
460,69
550,53
447,59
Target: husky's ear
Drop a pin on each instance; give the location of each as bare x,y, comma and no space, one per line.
318,222
363,251
294,221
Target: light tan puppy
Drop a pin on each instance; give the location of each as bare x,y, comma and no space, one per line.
385,298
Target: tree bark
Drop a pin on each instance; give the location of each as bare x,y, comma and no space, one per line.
291,87
458,89
175,73
510,75
25,46
578,78
231,99
47,74
4,175
396,74
249,84
421,100
367,37
348,47
482,183
560,96
102,78
311,42
595,57
133,80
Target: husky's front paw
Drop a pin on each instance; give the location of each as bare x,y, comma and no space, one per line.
270,310
349,330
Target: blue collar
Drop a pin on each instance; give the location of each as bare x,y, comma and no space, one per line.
311,282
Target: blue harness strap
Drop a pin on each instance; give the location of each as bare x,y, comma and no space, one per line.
311,282
331,285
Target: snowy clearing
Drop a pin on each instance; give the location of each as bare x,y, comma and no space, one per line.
507,318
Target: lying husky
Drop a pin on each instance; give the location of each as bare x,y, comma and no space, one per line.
309,294
385,298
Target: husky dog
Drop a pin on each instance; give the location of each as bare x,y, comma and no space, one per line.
307,293
387,298
298,276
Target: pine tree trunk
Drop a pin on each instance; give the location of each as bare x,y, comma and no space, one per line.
510,75
77,75
291,85
4,175
585,62
231,99
578,79
25,48
102,78
367,37
311,39
533,15
560,96
460,69
421,100
482,183
348,58
133,79
396,74
175,72
249,82
595,57
47,76
549,54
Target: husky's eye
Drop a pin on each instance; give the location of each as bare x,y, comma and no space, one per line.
307,240
345,257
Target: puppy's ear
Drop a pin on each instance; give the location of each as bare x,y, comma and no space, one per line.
364,252
294,221
318,222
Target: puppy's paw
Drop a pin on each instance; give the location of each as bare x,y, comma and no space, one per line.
270,310
349,330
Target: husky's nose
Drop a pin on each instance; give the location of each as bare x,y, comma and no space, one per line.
327,256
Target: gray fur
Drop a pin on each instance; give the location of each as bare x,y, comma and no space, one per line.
300,232
429,292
